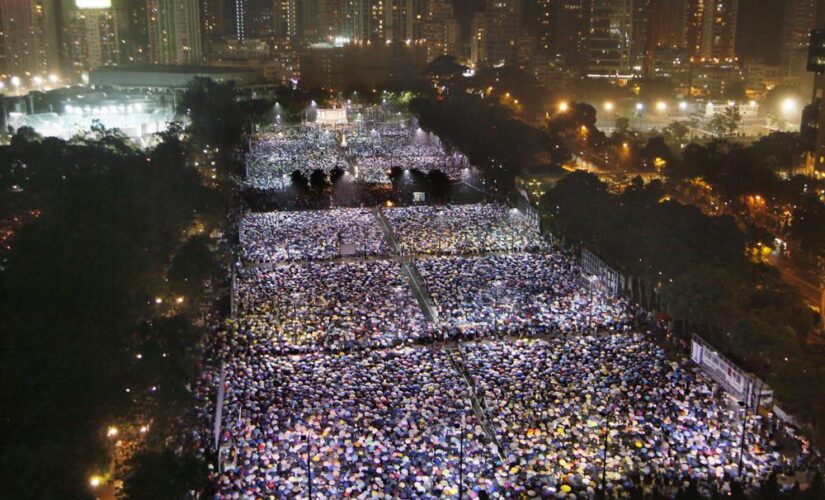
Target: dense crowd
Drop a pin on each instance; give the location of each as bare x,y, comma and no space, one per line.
550,402
378,424
310,235
463,229
398,423
334,378
328,306
517,294
368,153
273,156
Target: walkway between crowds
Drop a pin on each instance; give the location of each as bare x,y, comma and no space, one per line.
479,406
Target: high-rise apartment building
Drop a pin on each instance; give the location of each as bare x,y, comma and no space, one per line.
563,28
217,23
667,28
174,32
502,30
28,29
711,30
798,19
363,20
89,36
239,17
611,38
478,39
441,30
285,18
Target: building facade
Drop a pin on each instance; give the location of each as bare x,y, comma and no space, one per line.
174,32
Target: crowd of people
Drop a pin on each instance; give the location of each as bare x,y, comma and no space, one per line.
331,306
463,229
553,402
399,423
378,424
274,156
366,152
310,235
519,293
528,383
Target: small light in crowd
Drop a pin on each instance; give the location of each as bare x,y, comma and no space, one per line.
683,105
661,106
563,107
139,356
639,106
144,429
179,300
111,431
608,106
94,481
158,300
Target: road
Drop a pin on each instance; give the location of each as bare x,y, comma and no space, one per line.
813,294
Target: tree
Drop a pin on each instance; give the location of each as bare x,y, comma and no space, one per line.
439,184
445,70
678,130
155,475
622,125
808,223
780,150
111,220
216,116
318,180
24,136
726,122
299,182
193,264
656,154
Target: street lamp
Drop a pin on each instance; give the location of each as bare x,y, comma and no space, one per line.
614,391
461,458
309,465
497,286
744,408
789,105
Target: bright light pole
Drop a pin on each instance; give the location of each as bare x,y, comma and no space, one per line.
497,286
309,464
591,280
742,441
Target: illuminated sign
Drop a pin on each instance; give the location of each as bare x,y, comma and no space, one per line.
93,4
